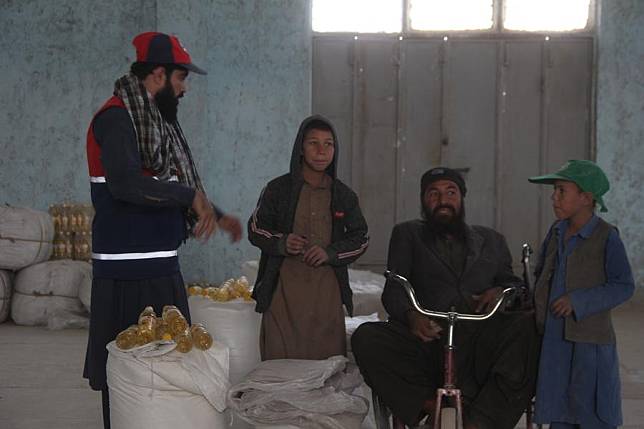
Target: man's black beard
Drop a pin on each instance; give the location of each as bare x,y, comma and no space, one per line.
167,103
440,225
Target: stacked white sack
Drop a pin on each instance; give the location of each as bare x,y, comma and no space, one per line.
26,237
5,294
48,289
85,288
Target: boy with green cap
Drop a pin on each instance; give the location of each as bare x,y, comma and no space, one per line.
583,272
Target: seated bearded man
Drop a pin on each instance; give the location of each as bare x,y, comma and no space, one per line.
450,265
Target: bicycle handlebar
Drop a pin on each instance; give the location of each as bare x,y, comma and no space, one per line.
440,314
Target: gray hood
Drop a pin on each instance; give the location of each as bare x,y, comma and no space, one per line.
296,155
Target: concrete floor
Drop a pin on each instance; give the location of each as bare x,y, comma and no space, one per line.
41,383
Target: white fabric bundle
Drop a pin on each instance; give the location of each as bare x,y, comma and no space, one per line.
235,324
47,289
154,386
300,393
26,237
367,289
352,323
5,294
363,390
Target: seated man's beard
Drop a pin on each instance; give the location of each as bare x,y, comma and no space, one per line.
443,224
167,103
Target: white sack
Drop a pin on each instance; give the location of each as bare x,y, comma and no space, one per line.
5,294
29,310
234,323
364,391
249,270
85,288
47,289
26,237
352,323
61,278
172,390
301,393
367,290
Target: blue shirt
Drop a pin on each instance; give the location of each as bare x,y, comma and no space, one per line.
578,383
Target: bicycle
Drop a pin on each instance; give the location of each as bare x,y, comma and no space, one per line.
444,417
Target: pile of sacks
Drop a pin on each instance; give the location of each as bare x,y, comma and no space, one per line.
301,394
367,289
33,290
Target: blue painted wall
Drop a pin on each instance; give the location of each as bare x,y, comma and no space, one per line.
620,120
60,62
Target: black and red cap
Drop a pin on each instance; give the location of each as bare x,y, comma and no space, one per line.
160,48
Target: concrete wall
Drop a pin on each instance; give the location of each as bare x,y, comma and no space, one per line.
61,58
620,121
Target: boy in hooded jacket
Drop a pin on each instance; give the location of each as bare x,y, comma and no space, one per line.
309,227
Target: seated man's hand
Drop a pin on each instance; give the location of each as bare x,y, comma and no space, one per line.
486,300
423,327
232,226
562,306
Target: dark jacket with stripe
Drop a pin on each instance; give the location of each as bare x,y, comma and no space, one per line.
273,218
136,216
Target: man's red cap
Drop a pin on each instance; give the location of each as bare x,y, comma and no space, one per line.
160,48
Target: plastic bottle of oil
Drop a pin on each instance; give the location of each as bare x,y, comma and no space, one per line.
175,320
147,311
163,331
128,338
147,328
184,341
201,338
195,290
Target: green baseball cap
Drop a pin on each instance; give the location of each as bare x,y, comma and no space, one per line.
586,174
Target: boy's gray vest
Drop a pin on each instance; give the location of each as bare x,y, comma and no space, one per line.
585,269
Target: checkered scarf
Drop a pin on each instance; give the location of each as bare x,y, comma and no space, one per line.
163,147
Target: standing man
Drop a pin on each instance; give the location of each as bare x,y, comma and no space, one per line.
147,196
449,264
